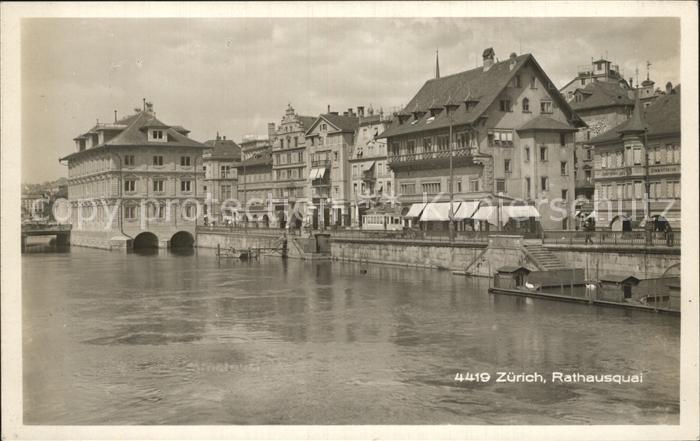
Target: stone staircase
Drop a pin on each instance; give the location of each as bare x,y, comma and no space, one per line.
543,258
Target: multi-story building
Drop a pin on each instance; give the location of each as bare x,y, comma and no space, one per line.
290,164
330,141
372,178
637,168
136,182
600,70
255,184
220,175
512,138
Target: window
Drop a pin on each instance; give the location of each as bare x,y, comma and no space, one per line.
588,174
544,155
527,187
157,135
564,168
618,157
676,154
562,139
129,185
544,183
565,195
443,142
516,80
526,105
589,154
411,147
669,154
506,166
431,188
638,190
185,161
427,144
335,156
324,127
620,191
527,154
506,105
158,185
500,185
157,160
408,189
545,107
354,171
459,185
533,82
474,185
628,191
130,212
659,157
354,188
185,185
225,170
500,138
129,160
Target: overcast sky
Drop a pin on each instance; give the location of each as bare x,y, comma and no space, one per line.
236,75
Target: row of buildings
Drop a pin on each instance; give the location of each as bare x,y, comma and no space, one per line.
494,147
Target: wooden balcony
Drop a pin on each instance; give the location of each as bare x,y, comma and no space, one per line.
431,159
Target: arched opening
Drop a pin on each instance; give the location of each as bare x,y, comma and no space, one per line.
265,221
282,218
182,239
621,223
145,240
295,220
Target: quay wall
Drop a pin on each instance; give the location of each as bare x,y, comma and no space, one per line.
653,263
399,253
237,240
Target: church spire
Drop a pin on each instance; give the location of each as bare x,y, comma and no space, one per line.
437,64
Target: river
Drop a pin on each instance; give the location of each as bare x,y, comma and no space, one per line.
111,338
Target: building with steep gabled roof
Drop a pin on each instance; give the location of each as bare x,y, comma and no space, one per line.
638,168
135,182
512,139
220,175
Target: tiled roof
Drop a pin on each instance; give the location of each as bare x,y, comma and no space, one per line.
541,122
263,159
474,84
663,116
307,121
342,122
133,135
602,94
224,148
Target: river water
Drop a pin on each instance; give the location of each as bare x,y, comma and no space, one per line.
164,338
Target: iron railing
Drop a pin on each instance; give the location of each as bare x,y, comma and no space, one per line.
612,238
430,155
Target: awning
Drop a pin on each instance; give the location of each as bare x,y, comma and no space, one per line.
316,173
490,213
367,166
438,211
466,210
416,210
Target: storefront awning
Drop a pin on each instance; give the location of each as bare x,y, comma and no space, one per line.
415,210
316,173
490,213
466,210
438,211
367,166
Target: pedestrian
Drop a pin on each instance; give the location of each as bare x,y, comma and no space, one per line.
587,227
669,235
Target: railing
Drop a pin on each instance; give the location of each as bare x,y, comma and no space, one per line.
430,155
46,227
251,228
640,239
321,163
415,236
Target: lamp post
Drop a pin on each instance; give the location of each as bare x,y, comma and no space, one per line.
449,107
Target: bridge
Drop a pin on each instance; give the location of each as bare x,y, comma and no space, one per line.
61,231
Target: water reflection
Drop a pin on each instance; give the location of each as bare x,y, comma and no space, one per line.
166,338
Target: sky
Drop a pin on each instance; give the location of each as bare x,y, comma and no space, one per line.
234,75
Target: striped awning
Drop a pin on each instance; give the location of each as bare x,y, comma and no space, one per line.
415,210
490,213
438,211
466,210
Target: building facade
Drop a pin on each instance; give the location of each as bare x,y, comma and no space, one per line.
220,176
512,139
290,164
255,184
637,168
372,180
330,141
136,182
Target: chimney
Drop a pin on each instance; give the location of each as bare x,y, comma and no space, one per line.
115,115
488,56
329,109
144,104
631,84
513,55
224,137
270,130
361,110
669,88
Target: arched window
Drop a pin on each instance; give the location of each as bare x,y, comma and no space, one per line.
526,105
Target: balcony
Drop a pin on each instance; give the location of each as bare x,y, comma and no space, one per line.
323,163
668,169
369,175
430,159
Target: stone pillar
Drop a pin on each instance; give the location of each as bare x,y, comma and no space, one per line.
164,243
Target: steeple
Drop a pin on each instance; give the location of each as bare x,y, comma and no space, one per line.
437,64
636,123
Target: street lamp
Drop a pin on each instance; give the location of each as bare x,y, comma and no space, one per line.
449,108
